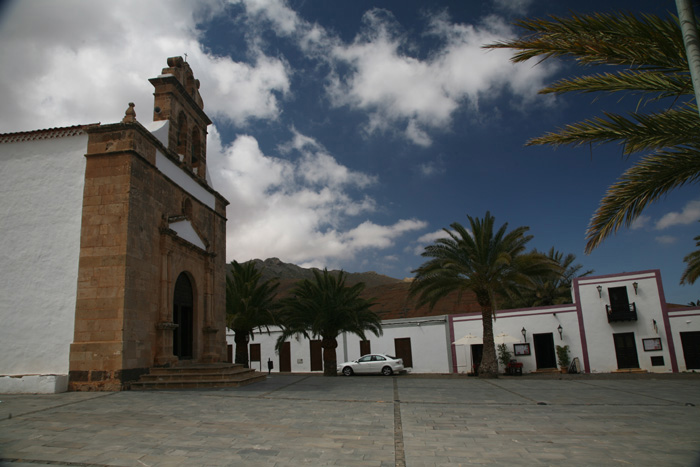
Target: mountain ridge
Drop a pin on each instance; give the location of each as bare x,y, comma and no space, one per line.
391,296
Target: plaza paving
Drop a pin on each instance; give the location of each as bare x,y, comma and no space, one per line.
404,420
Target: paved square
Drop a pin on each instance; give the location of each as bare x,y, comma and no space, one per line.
404,420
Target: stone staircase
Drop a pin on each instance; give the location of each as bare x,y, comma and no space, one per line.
198,376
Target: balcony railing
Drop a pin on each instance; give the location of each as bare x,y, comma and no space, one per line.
621,314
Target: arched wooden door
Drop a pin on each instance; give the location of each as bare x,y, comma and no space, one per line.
183,316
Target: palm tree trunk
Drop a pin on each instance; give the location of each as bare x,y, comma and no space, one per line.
330,361
489,362
241,340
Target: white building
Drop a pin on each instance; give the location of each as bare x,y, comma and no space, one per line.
618,322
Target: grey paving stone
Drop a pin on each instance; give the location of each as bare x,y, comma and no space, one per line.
311,420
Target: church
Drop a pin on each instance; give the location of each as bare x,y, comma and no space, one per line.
113,247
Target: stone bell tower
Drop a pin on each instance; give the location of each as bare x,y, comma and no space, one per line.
177,100
152,279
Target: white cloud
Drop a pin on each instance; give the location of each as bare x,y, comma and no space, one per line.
402,94
432,168
640,222
428,239
421,95
518,7
666,240
296,208
689,214
285,21
432,236
83,62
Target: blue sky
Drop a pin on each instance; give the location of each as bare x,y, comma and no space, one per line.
347,134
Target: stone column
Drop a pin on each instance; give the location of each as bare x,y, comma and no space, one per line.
165,325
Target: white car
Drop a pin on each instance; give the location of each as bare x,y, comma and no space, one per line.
372,364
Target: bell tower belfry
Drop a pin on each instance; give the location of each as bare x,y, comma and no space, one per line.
177,100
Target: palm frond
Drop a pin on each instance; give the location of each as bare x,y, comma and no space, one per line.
602,38
660,84
639,132
643,183
692,270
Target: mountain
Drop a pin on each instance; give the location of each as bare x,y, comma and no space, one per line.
274,268
389,294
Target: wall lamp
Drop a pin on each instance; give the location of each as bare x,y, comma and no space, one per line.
524,332
600,291
636,286
561,330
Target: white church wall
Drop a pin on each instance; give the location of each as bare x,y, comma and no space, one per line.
41,187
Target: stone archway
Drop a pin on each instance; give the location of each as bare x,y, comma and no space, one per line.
183,317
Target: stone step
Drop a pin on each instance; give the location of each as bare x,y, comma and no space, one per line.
197,376
205,384
200,370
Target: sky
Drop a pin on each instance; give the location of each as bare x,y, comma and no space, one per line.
348,134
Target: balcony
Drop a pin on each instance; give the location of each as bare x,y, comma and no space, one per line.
621,313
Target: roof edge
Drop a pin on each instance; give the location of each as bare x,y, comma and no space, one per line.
47,133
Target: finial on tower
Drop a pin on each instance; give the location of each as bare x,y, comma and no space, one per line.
130,114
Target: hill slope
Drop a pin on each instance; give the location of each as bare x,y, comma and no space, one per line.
389,294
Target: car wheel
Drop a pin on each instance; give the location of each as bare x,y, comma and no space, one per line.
347,371
387,371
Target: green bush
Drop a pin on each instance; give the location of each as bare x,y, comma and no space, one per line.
563,356
504,354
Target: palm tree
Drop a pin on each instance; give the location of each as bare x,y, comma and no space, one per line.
324,307
489,262
250,305
650,61
692,271
551,288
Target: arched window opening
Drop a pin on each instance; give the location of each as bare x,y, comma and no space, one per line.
181,133
183,316
196,148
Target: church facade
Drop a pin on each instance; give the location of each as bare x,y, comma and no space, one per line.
113,241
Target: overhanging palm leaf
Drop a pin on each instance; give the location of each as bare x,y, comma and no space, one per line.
692,271
650,54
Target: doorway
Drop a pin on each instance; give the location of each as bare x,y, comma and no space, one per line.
402,347
183,311
286,357
545,355
477,353
625,350
691,349
316,355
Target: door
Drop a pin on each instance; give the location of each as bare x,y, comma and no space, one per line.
286,358
691,349
477,353
402,347
625,350
183,308
255,353
365,348
545,355
619,301
316,355
364,365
